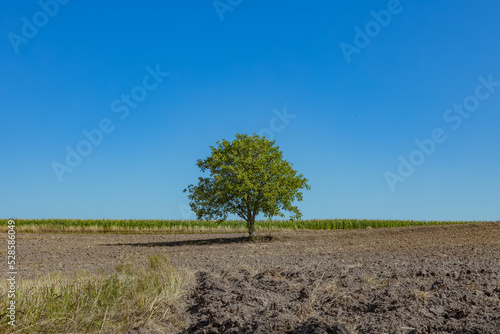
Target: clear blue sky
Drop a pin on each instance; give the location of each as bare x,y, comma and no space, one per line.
360,101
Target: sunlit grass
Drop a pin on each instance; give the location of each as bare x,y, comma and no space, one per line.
133,296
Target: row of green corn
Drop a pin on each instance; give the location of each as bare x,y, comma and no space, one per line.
313,224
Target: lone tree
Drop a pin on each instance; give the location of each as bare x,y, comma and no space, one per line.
248,176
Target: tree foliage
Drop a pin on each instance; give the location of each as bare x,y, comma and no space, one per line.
247,177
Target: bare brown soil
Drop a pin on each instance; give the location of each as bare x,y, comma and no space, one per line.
434,279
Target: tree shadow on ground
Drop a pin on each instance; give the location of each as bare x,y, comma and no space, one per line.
198,242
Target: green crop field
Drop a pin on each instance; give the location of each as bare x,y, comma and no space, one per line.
202,226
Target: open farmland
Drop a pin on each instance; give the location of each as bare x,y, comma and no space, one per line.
417,279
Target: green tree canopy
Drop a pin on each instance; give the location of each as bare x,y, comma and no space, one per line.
248,176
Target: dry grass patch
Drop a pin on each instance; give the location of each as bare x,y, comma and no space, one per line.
132,297
423,295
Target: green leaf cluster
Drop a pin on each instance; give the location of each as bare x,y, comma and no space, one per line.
247,177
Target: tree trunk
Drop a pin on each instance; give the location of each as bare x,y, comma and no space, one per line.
250,228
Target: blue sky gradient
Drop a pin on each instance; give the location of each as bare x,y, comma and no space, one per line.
233,66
